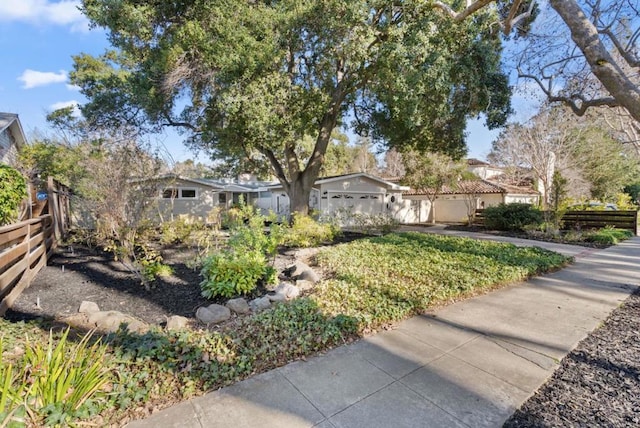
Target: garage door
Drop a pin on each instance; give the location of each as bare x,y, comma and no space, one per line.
357,203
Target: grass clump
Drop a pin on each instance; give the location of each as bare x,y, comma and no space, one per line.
608,236
305,232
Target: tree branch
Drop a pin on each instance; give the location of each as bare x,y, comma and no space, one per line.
472,7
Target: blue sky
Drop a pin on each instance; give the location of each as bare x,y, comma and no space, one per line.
38,39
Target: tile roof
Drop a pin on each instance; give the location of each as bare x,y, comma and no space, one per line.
477,187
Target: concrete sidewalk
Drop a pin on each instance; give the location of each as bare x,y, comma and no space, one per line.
469,364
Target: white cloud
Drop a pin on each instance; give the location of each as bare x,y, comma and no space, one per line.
63,12
63,104
71,87
33,79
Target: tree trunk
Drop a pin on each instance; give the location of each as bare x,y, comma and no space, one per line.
299,193
603,66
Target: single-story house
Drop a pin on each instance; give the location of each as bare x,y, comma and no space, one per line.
453,204
197,197
11,138
356,193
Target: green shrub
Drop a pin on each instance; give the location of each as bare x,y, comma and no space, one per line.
608,235
306,232
13,190
512,217
229,274
179,231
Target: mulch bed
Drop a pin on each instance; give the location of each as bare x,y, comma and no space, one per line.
597,384
79,273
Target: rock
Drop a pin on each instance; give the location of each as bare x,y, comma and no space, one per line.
87,307
302,270
176,322
260,304
239,306
213,314
309,275
110,321
304,284
284,291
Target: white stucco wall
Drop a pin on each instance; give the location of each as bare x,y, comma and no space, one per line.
168,209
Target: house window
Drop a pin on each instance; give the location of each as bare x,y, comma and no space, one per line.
188,193
176,193
170,193
222,198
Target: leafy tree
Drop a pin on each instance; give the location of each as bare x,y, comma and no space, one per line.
252,79
429,173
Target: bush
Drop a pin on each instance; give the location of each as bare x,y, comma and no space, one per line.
608,236
306,232
13,190
512,217
228,273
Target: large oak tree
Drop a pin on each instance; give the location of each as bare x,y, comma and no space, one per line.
251,79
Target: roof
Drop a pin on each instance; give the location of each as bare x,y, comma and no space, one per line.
386,183
477,162
11,121
222,185
477,187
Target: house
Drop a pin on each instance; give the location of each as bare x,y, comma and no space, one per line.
454,204
11,138
177,196
356,193
483,169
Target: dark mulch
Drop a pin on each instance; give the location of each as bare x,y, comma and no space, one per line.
598,384
89,274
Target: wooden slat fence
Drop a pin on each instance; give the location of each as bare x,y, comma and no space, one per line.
26,246
24,249
598,219
589,219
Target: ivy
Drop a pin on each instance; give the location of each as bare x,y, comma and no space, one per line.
13,190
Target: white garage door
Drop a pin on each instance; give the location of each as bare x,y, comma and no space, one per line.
357,203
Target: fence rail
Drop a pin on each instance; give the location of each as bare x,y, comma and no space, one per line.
597,219
24,249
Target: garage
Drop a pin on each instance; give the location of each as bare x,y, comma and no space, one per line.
355,202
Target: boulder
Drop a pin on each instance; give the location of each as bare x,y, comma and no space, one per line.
260,304
87,307
302,271
213,314
110,321
176,322
304,284
284,291
239,306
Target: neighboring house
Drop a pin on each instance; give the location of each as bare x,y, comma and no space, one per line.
483,169
197,197
454,204
358,193
11,138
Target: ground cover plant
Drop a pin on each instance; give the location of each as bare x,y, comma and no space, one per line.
370,283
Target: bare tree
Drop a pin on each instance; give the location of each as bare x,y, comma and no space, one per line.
542,145
601,40
393,164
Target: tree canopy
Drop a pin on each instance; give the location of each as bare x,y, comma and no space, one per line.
252,79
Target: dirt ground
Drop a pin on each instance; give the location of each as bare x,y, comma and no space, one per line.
75,274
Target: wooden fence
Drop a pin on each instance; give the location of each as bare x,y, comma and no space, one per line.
26,246
24,250
589,219
598,219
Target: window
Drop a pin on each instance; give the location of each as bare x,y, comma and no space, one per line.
178,193
222,198
188,193
170,193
